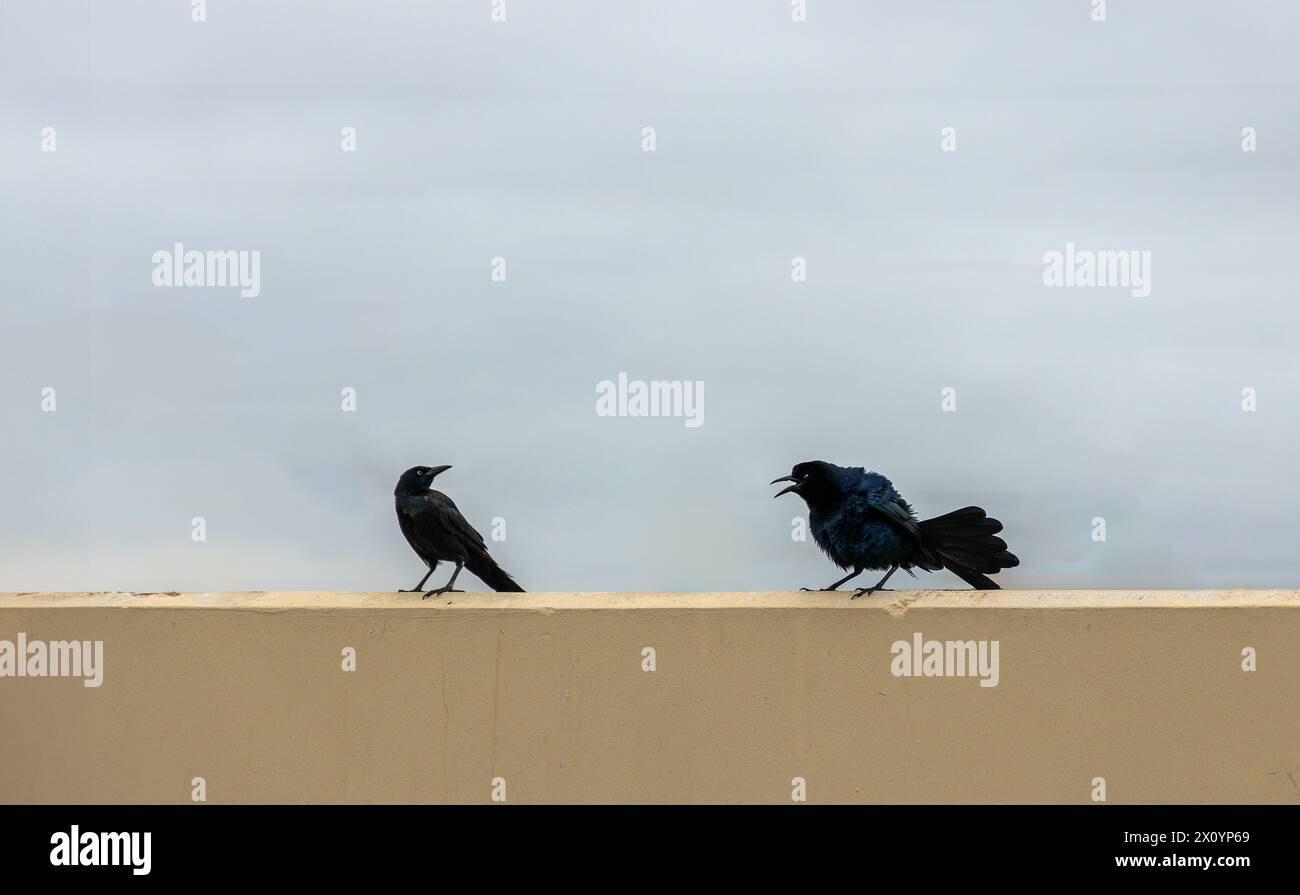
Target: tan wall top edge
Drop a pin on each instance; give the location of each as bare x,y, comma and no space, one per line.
894,602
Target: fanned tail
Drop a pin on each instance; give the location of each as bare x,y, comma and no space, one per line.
966,542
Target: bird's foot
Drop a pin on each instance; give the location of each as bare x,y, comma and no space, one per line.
867,591
440,591
410,590
819,590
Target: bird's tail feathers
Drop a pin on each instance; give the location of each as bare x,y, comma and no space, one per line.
491,574
974,579
966,543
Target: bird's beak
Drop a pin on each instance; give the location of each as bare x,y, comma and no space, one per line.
785,478
438,470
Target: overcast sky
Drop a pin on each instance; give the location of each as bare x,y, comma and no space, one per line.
523,140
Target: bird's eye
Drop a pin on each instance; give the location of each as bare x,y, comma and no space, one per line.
424,472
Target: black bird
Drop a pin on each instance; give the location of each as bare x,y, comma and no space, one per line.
437,532
861,522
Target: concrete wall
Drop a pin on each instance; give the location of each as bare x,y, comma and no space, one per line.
547,693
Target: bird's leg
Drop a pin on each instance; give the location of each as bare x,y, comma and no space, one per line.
875,587
419,586
854,574
448,587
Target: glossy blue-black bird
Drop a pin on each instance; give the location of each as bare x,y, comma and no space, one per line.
437,532
861,522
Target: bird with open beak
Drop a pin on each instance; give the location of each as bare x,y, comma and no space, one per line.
861,522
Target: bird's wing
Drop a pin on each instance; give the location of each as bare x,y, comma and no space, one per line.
453,524
873,496
436,530
898,514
